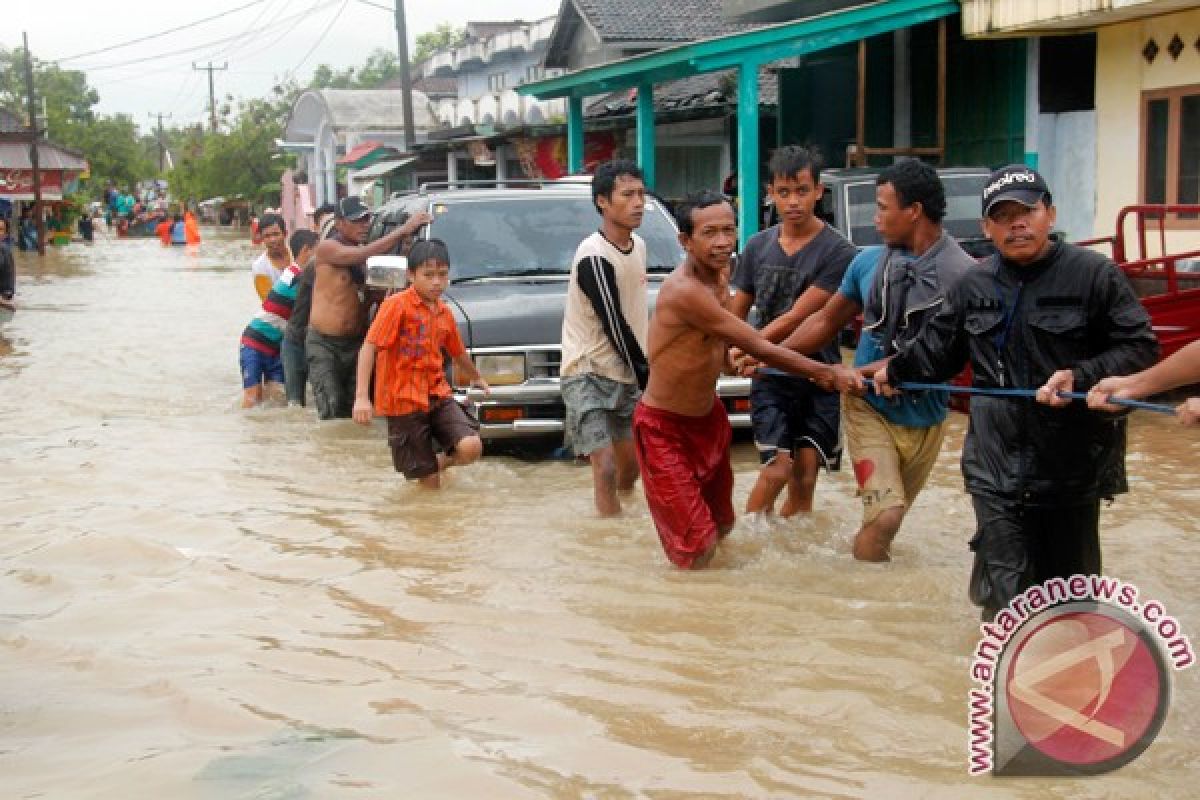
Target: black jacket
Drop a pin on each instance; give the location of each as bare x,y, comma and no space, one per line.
1017,325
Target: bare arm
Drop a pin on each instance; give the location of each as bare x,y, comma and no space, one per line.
698,307
331,251
363,410
1181,369
810,301
821,327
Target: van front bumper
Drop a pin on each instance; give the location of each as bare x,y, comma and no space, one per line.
535,408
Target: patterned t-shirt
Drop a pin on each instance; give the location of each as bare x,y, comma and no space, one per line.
410,337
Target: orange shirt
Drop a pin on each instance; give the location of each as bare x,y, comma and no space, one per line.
410,337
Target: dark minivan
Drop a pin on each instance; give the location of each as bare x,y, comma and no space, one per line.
511,247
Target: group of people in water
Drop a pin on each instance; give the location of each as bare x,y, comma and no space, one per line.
1035,322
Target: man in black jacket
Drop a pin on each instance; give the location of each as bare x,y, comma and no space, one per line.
1038,314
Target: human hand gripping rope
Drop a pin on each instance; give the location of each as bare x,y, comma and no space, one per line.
916,386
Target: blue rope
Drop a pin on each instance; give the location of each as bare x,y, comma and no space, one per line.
913,386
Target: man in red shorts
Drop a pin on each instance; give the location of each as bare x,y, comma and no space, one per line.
680,430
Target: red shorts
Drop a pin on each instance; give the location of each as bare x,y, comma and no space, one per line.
687,477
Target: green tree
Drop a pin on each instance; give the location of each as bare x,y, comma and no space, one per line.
110,143
444,35
381,67
239,159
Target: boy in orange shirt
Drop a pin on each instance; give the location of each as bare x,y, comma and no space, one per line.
406,341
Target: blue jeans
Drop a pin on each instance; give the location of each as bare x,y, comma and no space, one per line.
295,371
259,368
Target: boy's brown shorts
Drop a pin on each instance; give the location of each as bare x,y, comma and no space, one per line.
411,436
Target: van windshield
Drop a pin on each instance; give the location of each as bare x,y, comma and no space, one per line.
535,235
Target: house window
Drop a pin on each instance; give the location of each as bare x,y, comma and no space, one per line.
535,73
497,81
1171,149
1067,73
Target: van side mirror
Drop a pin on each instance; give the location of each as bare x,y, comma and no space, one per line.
387,272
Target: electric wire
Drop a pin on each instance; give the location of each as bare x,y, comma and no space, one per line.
320,38
160,34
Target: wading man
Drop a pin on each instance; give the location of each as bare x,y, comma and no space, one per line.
1040,314
337,316
897,288
604,334
787,272
681,430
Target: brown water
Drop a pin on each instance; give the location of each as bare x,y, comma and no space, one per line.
201,602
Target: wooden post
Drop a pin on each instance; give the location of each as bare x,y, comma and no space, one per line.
941,92
38,218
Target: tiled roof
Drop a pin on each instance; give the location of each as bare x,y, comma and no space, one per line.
659,21
711,89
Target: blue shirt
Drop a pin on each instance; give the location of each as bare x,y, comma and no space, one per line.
912,409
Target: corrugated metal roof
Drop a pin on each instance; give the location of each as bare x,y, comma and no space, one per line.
366,109
15,155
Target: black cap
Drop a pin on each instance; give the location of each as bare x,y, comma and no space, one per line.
352,208
1015,182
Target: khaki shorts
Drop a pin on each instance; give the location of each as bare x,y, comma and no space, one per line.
891,462
599,412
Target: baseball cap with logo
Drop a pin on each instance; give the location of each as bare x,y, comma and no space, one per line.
352,208
1015,182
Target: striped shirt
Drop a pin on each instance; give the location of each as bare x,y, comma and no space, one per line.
606,317
265,331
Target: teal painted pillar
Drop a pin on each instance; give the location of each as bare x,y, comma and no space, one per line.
574,134
747,140
645,132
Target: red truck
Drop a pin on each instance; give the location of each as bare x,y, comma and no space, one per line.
1168,283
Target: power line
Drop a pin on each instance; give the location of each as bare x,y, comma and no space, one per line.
192,49
320,38
161,33
316,7
249,33
197,47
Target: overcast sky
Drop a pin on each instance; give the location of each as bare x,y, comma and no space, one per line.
262,42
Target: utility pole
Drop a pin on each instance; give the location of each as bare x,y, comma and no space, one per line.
33,151
162,148
212,94
410,137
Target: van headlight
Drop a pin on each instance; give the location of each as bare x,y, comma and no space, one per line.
501,370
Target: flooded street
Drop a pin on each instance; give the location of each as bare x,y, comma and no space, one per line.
202,602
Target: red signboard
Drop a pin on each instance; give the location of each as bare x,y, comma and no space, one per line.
546,158
20,181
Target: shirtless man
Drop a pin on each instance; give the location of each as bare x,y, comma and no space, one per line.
681,431
337,319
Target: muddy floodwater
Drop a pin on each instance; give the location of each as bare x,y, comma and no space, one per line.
202,602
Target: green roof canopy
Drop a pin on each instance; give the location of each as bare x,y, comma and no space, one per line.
746,51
